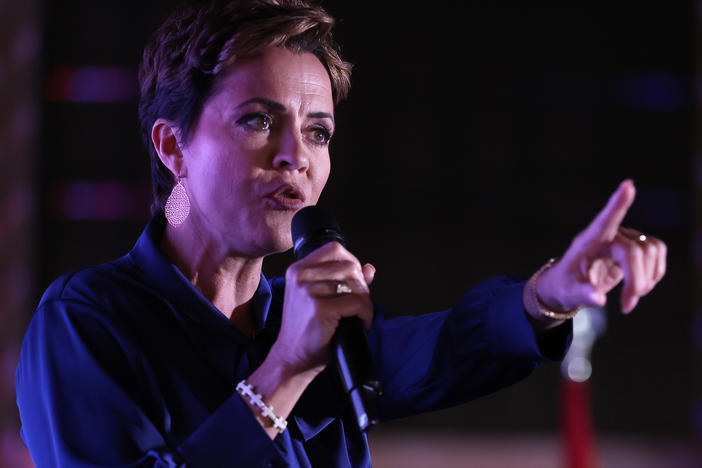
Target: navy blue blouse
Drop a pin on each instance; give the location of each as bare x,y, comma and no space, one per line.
126,364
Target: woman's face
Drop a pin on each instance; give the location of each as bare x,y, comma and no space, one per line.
260,151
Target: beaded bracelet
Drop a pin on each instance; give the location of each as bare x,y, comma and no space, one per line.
246,390
535,303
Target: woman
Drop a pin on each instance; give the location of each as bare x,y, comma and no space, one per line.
182,354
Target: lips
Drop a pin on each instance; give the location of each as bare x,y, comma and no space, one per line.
286,197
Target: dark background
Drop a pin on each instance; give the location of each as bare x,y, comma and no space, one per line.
477,141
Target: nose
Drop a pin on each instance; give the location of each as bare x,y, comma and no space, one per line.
291,153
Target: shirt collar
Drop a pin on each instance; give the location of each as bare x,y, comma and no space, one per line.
160,271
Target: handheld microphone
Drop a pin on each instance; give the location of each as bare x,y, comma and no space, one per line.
313,227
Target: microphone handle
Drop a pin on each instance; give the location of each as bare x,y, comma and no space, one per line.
354,361
354,364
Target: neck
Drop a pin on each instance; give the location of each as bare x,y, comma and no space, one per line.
228,281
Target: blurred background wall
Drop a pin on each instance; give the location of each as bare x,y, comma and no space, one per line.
20,133
477,140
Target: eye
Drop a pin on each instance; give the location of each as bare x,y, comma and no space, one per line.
320,135
258,121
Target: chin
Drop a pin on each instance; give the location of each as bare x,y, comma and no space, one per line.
284,243
280,236
277,242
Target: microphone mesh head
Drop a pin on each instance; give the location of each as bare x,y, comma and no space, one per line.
312,219
313,227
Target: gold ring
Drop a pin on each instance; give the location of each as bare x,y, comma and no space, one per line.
342,288
642,238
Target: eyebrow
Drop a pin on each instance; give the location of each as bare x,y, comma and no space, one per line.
321,115
278,107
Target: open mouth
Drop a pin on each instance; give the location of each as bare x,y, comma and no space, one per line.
287,196
288,192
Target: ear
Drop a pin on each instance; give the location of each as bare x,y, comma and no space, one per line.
165,136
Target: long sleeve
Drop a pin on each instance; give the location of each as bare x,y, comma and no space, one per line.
127,365
483,343
86,398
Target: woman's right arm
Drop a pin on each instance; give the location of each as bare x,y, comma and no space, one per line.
83,403
311,312
84,398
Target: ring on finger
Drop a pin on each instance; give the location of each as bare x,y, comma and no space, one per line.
642,238
342,288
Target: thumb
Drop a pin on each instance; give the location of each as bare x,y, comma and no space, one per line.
368,273
585,294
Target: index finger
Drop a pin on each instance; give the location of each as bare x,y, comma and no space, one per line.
328,252
606,223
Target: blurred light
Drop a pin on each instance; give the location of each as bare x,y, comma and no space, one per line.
582,325
655,91
638,91
588,325
579,369
92,84
99,201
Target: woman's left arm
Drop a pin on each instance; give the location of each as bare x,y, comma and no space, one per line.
483,343
491,338
599,257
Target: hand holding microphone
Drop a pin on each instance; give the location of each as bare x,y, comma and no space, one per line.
326,306
313,308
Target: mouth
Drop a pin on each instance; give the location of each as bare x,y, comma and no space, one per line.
286,197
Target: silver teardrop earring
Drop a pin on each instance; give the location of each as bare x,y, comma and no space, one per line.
178,205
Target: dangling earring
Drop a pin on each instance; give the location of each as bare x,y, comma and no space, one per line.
178,205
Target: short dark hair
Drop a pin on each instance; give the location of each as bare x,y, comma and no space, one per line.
191,50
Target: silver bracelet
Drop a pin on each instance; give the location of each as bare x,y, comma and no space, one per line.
246,390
